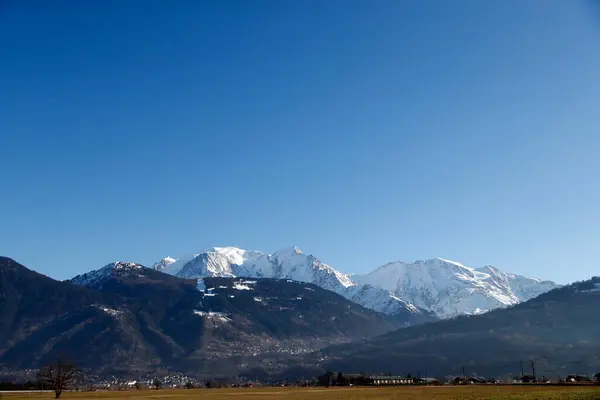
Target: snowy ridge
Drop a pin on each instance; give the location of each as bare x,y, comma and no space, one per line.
289,263
449,288
97,277
172,266
446,288
164,263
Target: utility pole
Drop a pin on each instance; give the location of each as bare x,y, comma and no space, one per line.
522,372
533,369
464,373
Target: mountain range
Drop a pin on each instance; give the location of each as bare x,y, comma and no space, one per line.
126,318
438,286
449,288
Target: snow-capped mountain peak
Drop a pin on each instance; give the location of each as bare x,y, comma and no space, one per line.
291,250
449,288
164,263
292,263
446,261
99,276
216,262
124,265
441,286
288,263
233,254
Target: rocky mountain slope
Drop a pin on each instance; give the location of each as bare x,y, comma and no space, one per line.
125,317
438,286
559,330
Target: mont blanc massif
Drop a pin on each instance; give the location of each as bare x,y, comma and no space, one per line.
442,287
228,311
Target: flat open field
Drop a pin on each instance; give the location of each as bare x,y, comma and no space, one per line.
356,393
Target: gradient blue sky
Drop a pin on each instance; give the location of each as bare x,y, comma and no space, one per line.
361,131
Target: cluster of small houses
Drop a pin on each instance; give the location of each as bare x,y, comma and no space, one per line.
400,380
338,379
471,380
391,380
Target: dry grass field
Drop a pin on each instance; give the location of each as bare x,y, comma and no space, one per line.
357,393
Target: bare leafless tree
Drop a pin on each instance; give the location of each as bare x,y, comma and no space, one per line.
59,375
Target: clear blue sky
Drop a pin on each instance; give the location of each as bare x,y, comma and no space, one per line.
361,131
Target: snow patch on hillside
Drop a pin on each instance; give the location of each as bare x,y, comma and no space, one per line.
594,289
110,311
241,286
214,316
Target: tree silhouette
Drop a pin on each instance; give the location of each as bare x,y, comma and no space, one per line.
59,375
